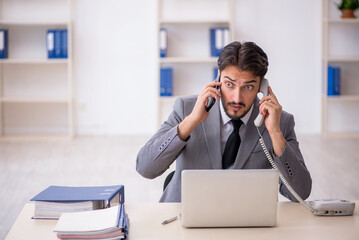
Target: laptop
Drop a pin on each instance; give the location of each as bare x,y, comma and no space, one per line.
229,198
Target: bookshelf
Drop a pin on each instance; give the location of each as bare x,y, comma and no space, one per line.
188,25
340,48
36,93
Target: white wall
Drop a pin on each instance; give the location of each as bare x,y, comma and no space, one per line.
115,60
114,66
289,31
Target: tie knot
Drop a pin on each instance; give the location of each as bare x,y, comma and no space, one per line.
236,124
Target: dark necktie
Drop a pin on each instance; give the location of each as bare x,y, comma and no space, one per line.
232,145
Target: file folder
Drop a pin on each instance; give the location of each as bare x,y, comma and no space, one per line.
76,194
3,43
50,42
64,43
163,42
219,38
333,80
57,44
166,82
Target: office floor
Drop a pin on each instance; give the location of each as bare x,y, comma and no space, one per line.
28,167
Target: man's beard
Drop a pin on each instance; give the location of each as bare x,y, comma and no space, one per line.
234,117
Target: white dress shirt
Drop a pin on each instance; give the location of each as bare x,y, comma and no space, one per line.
227,126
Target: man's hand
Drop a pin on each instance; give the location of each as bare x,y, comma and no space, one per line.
272,110
199,112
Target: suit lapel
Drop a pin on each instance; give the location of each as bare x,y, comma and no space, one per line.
212,134
250,139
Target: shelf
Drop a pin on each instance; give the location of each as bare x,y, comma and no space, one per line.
342,98
60,137
342,59
24,22
340,20
199,21
188,60
165,99
35,100
34,61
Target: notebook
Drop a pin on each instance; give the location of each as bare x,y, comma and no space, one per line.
229,198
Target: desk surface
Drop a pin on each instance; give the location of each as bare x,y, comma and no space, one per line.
293,222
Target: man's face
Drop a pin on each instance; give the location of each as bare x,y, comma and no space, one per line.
239,90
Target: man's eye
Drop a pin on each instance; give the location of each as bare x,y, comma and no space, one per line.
229,84
249,87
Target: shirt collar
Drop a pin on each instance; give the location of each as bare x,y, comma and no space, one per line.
226,118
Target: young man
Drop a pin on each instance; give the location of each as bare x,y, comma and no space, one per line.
197,139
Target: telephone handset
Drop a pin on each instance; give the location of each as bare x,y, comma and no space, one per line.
212,100
263,89
326,207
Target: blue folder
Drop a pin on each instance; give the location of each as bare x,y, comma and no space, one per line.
163,42
50,42
77,194
166,81
3,43
64,43
333,80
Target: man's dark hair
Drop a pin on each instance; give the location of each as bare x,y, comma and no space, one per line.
246,56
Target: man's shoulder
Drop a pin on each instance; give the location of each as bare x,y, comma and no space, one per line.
186,100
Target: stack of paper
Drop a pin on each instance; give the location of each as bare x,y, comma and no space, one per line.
110,223
54,200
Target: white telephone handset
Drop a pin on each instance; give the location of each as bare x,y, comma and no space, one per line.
263,89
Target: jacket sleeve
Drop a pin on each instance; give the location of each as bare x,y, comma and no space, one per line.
164,147
291,165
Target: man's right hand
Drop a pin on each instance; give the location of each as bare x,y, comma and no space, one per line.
199,112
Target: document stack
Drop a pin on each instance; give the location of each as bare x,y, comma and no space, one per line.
110,223
55,200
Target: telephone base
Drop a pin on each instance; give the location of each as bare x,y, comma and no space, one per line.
332,207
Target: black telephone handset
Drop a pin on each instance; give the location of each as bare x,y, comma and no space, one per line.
212,100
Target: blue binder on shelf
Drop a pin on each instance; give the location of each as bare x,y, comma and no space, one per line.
57,44
166,82
163,42
334,78
3,43
78,194
50,43
219,38
64,44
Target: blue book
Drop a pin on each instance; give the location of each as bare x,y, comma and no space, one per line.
64,43
163,42
50,43
3,43
166,82
76,194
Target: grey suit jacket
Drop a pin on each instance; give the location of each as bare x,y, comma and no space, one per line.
203,150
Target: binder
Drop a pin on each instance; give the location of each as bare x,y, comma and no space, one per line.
166,82
50,42
3,43
219,38
57,43
334,78
163,42
76,194
64,43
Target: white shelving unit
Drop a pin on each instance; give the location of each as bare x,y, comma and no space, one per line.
340,47
36,93
188,26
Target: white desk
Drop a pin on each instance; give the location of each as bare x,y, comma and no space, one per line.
293,222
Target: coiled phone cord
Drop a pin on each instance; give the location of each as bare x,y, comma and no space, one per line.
291,190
